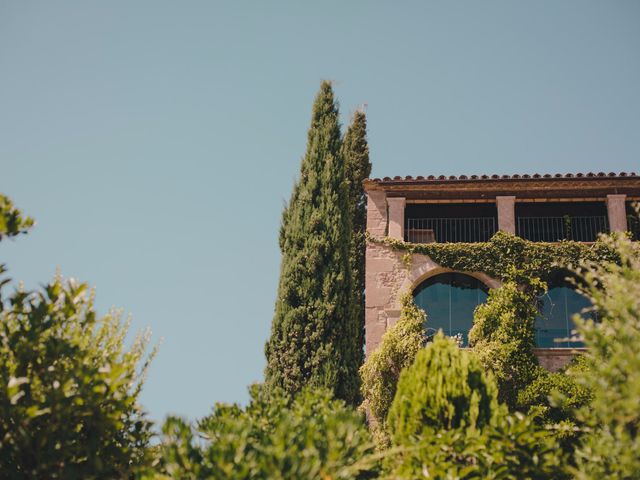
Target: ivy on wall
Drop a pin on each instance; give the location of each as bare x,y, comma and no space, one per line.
506,256
503,333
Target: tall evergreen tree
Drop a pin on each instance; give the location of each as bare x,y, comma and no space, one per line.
312,338
355,151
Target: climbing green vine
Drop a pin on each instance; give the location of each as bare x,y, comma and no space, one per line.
506,256
504,327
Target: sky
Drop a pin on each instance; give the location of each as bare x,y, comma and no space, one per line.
155,142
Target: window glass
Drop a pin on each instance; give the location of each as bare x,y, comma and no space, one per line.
449,300
557,309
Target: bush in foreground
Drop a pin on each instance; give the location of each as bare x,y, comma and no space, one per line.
69,396
381,370
275,437
445,388
512,447
446,423
611,447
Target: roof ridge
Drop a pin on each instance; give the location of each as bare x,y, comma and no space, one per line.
517,176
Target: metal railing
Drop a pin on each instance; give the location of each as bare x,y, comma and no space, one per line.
442,230
554,229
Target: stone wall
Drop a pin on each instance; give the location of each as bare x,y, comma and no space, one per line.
555,358
389,276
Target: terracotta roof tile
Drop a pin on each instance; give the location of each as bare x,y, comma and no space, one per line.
524,176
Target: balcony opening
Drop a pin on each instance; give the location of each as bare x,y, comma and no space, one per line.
451,222
556,221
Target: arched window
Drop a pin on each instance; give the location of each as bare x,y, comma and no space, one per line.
557,308
449,300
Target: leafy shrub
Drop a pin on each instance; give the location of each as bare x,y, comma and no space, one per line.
446,423
274,437
381,370
555,397
611,448
503,337
445,388
69,391
512,447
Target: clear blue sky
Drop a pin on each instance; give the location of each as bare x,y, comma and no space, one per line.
155,142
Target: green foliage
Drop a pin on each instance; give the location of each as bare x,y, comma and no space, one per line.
355,151
314,330
554,397
507,257
503,338
611,448
381,370
503,334
446,423
445,388
275,437
511,447
69,389
12,221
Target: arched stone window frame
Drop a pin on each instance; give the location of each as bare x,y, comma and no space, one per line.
421,276
459,314
422,268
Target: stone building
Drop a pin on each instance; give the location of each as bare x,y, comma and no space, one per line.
545,208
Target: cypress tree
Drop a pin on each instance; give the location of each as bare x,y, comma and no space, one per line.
355,151
311,336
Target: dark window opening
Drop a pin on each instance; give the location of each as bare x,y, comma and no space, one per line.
555,221
452,222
